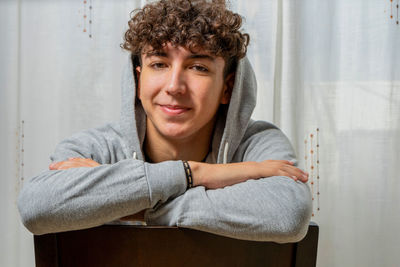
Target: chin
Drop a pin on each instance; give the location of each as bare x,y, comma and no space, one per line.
175,135
175,132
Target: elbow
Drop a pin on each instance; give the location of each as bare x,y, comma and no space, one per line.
30,222
26,214
291,218
29,211
298,218
298,226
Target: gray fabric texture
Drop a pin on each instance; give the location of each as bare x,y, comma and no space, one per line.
267,209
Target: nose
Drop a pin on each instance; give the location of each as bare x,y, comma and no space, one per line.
176,83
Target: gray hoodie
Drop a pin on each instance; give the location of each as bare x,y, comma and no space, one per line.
268,209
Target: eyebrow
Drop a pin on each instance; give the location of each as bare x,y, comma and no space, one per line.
155,53
192,56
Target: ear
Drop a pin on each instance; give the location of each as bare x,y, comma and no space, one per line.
137,70
227,88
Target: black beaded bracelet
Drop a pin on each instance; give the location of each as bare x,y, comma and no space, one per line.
188,172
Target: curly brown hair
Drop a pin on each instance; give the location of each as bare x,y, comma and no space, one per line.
189,23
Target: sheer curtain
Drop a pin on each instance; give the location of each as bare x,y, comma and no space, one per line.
328,74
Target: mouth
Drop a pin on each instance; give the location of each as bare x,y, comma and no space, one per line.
174,109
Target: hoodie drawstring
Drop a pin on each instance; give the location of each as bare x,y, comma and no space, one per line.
225,153
134,155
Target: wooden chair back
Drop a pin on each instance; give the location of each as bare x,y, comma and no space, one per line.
121,245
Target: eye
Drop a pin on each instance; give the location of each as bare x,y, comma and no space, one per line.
199,68
158,65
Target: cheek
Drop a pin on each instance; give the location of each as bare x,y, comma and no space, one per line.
214,91
209,97
148,87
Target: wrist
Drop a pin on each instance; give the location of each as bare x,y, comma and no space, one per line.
252,169
188,173
197,170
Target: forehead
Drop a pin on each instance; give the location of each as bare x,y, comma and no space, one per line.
170,50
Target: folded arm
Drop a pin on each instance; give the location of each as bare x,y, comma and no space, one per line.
78,197
242,204
274,208
266,209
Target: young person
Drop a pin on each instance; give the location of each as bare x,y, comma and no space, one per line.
185,151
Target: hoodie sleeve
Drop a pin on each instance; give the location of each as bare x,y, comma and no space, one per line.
268,209
77,198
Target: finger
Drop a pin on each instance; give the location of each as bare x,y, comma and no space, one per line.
63,166
294,171
285,161
67,166
78,159
89,162
299,171
51,166
302,177
55,165
74,163
71,164
92,163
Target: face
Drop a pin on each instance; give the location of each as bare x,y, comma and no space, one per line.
181,91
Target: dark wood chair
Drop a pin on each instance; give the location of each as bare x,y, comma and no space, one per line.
121,245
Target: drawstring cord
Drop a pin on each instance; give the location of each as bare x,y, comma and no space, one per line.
226,153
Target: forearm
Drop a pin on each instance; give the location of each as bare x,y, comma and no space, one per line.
221,175
85,197
214,176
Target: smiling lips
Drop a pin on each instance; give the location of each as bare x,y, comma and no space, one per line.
173,110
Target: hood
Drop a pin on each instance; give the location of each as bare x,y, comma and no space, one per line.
231,124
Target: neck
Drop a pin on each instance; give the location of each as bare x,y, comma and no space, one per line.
159,148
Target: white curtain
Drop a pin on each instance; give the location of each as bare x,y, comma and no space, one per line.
328,74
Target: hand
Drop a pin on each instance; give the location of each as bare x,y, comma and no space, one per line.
214,176
73,163
282,168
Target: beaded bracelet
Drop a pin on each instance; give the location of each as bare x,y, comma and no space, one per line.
188,172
